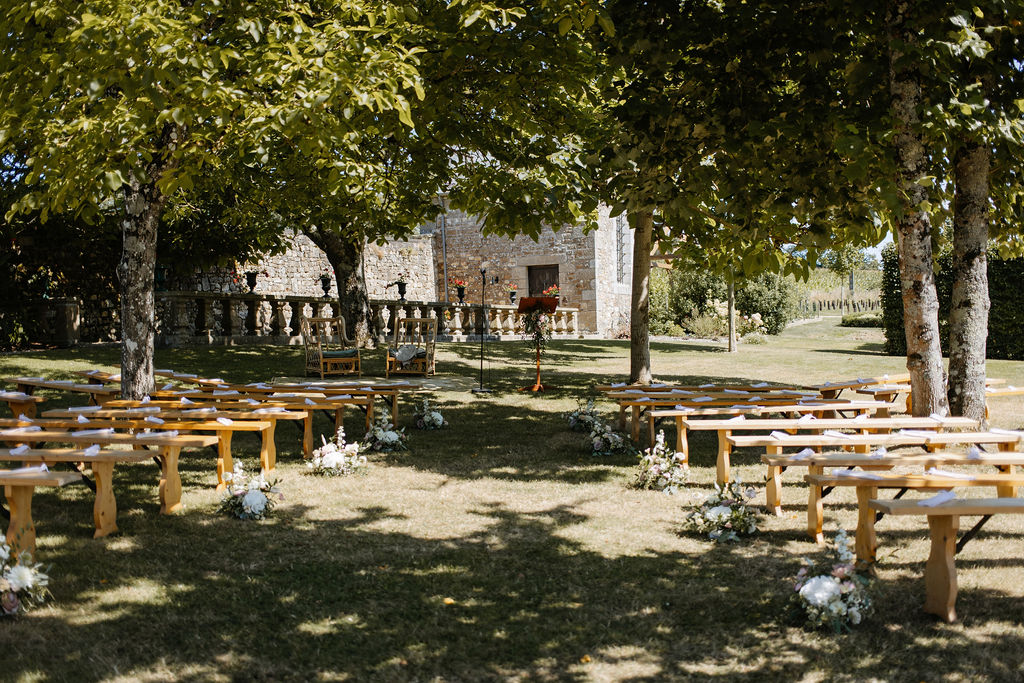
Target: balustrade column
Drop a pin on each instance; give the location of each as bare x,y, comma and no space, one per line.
227,314
295,322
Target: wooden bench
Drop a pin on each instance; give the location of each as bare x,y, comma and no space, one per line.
833,389
98,393
224,431
943,524
818,463
19,485
21,403
860,443
102,464
861,425
868,483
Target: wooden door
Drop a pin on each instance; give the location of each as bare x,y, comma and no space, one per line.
541,277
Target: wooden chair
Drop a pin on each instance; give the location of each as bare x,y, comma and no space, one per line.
329,350
412,350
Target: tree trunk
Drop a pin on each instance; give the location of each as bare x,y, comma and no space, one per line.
732,313
639,319
968,318
345,255
143,204
920,299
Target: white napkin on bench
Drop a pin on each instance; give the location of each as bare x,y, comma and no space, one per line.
803,454
37,469
19,450
938,499
93,450
93,432
935,472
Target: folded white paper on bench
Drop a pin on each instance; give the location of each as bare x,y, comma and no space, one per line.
340,397
735,391
146,399
856,474
836,434
225,420
185,376
703,399
185,402
803,454
143,411
974,453
681,392
187,392
759,385
656,386
14,431
167,387
252,401
83,409
806,402
267,411
938,418
916,432
806,418
935,472
150,435
779,435
862,416
685,409
706,386
93,450
633,391
154,420
38,469
738,418
19,450
25,418
938,499
33,379
1008,432
199,411
13,395
616,385
229,392
879,452
93,432
277,395
164,372
865,380
753,399
310,402
82,419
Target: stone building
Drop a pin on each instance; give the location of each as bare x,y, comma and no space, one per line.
593,270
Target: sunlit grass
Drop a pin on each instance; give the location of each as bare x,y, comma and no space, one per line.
496,549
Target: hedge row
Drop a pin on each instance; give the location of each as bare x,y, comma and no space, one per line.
1005,318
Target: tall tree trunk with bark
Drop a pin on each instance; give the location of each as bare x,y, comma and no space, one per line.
345,256
640,307
968,318
920,299
143,204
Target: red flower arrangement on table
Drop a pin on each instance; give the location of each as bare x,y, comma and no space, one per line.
550,291
456,282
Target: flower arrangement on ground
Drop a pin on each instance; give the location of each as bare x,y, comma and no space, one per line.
725,515
606,441
550,291
383,437
336,458
428,417
23,585
661,468
249,497
833,594
584,417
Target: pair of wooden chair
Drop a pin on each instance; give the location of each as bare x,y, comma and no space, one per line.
330,351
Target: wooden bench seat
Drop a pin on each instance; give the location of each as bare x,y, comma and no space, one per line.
864,425
19,485
943,524
818,464
223,432
98,393
102,464
868,483
833,389
21,403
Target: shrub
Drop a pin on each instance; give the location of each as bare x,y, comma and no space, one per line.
707,326
864,319
770,295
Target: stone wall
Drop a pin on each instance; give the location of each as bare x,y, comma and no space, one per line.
613,249
415,258
509,260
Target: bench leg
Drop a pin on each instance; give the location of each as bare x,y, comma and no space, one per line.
372,400
394,409
21,532
682,441
307,436
1007,491
26,408
224,461
722,462
268,456
773,491
866,543
635,425
104,510
815,510
170,480
940,571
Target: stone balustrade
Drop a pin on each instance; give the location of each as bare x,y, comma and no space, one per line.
208,318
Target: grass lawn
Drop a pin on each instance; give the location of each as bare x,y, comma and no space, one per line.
496,549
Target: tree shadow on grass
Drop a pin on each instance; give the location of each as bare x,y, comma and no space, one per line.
195,597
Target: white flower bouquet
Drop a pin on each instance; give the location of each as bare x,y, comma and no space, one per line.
249,497
23,585
835,594
383,437
725,515
606,441
661,468
428,417
336,458
584,417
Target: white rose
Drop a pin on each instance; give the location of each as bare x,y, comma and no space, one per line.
20,577
254,502
719,513
819,590
390,438
331,460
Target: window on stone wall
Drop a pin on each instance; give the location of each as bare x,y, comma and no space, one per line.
541,277
620,247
